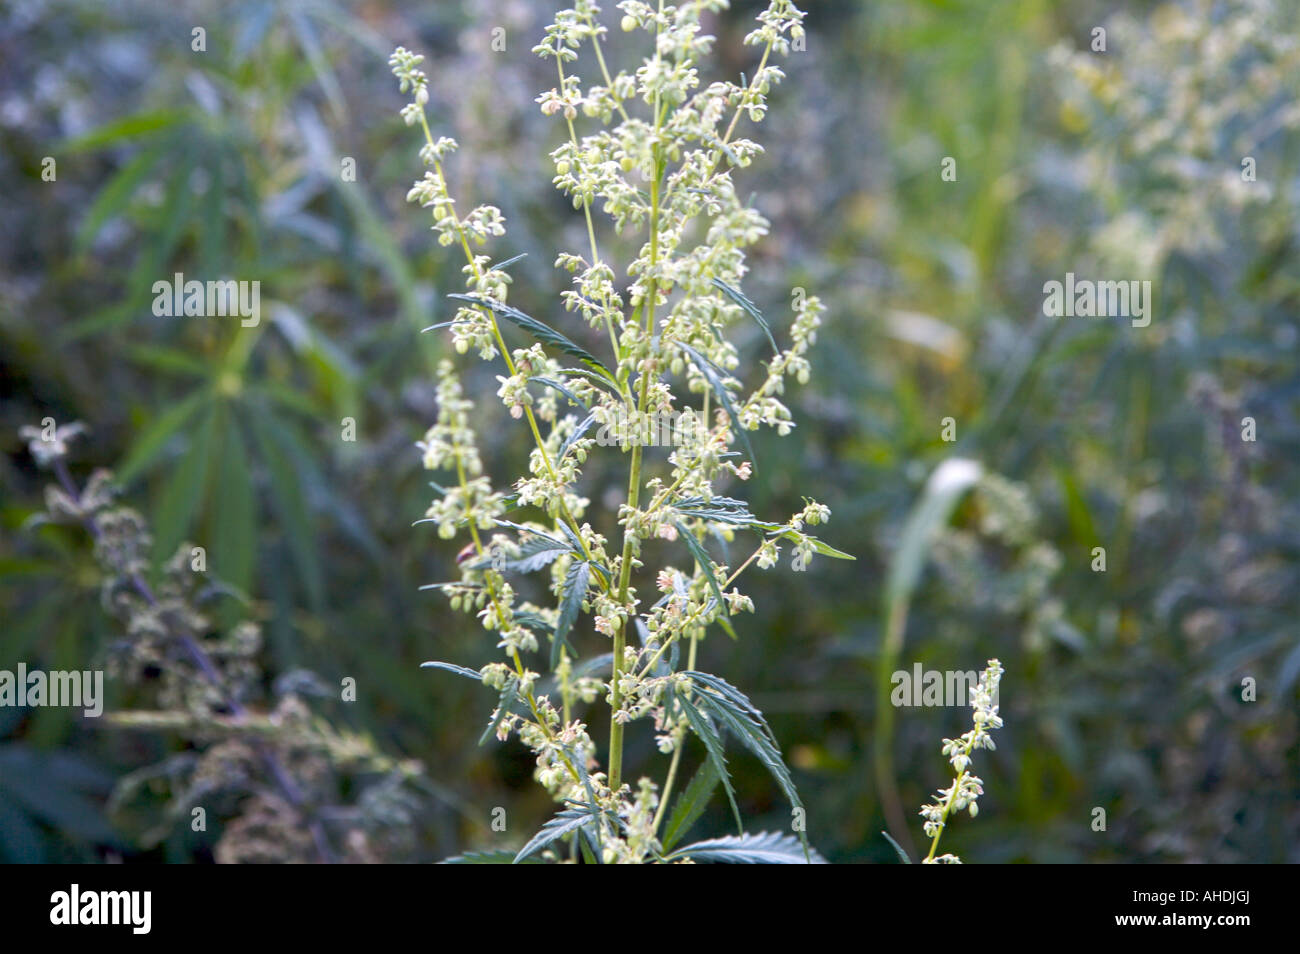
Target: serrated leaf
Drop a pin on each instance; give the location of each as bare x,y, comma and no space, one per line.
690,804
562,824
539,330
535,552
732,710
767,848
706,564
714,377
750,308
737,699
508,695
573,596
717,753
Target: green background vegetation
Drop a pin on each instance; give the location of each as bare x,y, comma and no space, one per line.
1123,688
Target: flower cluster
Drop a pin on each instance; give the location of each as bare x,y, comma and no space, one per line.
966,789
654,149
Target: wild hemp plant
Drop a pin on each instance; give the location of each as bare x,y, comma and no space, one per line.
964,793
273,778
655,150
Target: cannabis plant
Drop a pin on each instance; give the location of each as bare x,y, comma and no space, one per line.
648,159
274,781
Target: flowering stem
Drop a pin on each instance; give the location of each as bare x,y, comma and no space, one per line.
505,354
947,809
290,790
634,478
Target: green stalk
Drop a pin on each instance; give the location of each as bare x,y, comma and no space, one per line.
634,480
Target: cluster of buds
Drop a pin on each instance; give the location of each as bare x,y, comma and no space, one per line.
966,789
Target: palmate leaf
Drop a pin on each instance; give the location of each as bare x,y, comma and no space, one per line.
731,710
767,848
539,330
708,734
690,804
714,377
717,510
535,552
750,308
566,822
589,835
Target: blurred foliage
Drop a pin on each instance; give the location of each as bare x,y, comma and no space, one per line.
1123,689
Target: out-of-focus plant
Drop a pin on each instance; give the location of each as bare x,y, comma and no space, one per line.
273,778
660,128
